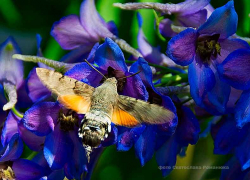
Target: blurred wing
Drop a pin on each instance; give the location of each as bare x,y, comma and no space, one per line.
73,94
123,118
139,111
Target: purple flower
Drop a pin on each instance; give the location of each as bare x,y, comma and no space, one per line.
188,14
165,139
82,32
191,13
12,137
229,139
203,49
62,147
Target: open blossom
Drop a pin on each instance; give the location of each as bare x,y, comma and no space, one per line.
203,49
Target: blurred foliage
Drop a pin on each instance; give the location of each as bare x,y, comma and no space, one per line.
24,19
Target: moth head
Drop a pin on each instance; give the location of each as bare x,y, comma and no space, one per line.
112,80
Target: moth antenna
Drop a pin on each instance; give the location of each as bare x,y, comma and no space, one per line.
94,68
129,75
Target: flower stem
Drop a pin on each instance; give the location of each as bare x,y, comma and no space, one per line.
157,23
32,155
16,112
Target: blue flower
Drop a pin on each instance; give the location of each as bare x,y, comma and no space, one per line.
62,146
166,140
228,138
203,49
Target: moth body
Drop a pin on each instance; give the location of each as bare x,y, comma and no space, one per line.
97,122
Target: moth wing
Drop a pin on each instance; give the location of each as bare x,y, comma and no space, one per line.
140,111
73,94
123,118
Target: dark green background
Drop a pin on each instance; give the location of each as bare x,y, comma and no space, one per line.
22,19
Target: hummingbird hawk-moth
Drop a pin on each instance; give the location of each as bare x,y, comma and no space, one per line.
101,106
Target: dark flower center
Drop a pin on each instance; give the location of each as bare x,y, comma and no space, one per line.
68,120
208,46
111,72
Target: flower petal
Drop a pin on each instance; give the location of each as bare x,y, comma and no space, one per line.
219,95
91,55
11,70
229,45
9,128
13,150
34,142
201,79
128,138
235,69
181,48
71,38
77,164
40,160
36,90
242,110
83,72
110,54
191,6
134,87
76,55
165,28
193,20
145,145
92,22
242,152
58,148
188,128
222,21
150,53
40,118
166,155
27,170
56,175
23,99
228,137
233,171
112,137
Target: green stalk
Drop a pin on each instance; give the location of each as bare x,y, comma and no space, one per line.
16,112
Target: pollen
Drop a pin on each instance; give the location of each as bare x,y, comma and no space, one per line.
7,174
68,121
208,47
